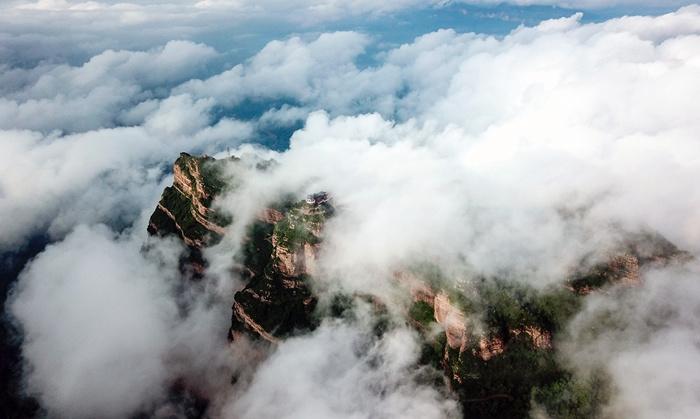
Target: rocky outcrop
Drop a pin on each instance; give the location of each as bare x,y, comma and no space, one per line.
295,262
499,368
452,320
185,207
278,299
639,251
540,338
279,254
518,323
488,348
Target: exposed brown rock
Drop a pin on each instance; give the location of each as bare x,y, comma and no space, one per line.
185,207
626,269
296,262
489,347
452,320
541,338
250,324
270,216
420,291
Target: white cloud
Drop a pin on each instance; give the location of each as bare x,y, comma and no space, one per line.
108,325
105,175
341,371
504,136
97,93
107,363
650,344
559,116
33,31
315,71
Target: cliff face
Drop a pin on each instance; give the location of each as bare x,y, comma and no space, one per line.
185,207
500,367
278,299
279,253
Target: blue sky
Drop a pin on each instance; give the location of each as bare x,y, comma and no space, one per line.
240,40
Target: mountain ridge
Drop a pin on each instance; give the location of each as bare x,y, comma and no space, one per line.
502,368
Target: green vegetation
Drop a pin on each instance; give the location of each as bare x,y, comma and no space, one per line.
597,277
433,276
297,227
279,308
257,249
181,207
506,385
433,350
510,383
341,305
283,305
573,398
212,172
422,313
502,386
511,306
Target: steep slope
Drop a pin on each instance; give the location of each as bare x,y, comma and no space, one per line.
185,207
279,253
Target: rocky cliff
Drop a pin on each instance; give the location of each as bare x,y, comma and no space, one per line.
494,339
185,207
283,243
185,211
505,363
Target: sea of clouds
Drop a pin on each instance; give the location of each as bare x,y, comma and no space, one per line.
510,156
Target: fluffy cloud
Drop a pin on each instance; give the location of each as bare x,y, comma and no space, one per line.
146,328
425,79
342,371
108,325
492,160
530,153
310,72
107,363
650,345
104,175
583,4
97,93
34,30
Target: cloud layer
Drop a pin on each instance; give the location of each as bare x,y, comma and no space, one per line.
512,156
339,371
